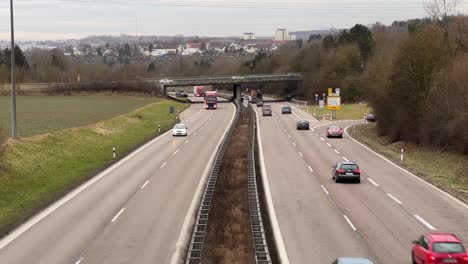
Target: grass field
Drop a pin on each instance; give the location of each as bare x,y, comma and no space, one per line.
42,114
447,171
43,168
348,111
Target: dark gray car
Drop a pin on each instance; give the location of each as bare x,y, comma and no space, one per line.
302,125
286,110
348,170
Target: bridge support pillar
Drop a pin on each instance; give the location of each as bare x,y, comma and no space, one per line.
237,92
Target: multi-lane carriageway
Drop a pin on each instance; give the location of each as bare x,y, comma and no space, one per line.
320,219
136,211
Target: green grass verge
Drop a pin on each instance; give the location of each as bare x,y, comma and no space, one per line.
348,111
442,168
43,168
42,114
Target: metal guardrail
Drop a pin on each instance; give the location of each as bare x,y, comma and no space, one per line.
201,222
262,254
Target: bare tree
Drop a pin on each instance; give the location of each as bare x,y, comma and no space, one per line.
445,12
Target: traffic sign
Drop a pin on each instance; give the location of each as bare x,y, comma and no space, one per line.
334,103
337,91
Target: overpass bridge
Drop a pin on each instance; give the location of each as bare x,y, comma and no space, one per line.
236,81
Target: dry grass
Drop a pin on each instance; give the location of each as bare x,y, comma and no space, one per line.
442,168
229,237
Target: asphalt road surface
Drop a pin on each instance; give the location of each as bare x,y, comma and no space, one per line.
321,220
132,214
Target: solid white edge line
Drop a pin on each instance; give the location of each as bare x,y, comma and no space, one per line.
394,199
117,215
345,159
337,152
51,208
163,165
407,172
350,223
373,182
79,260
269,200
325,190
300,154
297,115
190,218
310,168
424,222
144,185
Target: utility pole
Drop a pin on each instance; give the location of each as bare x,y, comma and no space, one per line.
13,78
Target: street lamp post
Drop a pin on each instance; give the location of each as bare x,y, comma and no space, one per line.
13,79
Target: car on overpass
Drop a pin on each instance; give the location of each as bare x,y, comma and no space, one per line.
438,248
286,110
179,130
302,125
348,170
345,260
165,81
334,131
266,110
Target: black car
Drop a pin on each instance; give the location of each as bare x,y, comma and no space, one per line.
348,170
371,118
302,125
184,94
286,110
259,103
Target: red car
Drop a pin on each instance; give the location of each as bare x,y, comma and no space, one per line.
438,248
334,131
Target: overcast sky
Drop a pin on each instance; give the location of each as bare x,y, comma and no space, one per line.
61,19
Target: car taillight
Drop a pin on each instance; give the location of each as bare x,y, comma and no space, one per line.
357,171
340,171
341,131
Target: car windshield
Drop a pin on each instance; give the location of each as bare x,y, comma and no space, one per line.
448,247
266,107
286,108
349,167
334,128
179,127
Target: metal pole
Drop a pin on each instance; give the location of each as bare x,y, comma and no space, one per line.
13,79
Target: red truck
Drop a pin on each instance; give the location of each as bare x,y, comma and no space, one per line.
211,100
199,91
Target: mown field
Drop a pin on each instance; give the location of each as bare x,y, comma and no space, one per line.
447,171
42,114
348,111
42,168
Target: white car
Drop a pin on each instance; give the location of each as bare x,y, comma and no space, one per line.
165,81
179,130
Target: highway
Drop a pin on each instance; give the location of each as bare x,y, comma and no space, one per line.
320,220
132,212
